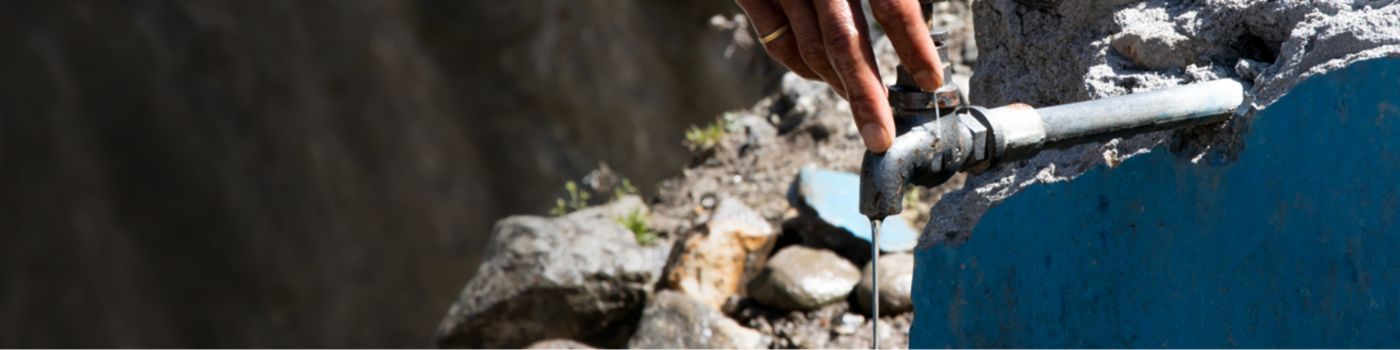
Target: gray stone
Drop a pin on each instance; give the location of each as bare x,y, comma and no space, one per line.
559,344
1155,47
803,278
675,321
896,284
581,276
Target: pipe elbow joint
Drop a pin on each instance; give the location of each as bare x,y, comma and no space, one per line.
918,157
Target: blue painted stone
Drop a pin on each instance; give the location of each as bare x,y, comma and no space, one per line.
835,196
1294,244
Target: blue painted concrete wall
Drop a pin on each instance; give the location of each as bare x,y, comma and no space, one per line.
1295,244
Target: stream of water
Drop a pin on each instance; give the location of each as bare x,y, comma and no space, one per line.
875,283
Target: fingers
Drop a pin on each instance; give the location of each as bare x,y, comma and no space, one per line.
767,18
848,49
903,22
807,34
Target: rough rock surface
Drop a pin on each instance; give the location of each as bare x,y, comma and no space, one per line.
581,276
802,278
896,284
712,266
675,321
1105,48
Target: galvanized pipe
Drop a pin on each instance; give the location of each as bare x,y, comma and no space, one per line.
1161,109
972,139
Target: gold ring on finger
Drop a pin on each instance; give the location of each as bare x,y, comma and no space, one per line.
775,34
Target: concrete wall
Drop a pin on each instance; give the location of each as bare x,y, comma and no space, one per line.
1290,245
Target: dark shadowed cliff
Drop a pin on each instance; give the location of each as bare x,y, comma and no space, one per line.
316,173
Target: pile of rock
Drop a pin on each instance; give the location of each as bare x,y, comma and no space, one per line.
801,287
732,281
757,248
813,298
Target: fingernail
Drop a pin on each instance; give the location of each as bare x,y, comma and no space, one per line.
876,138
928,80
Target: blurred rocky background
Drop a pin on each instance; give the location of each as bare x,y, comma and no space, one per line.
751,246
758,244
232,173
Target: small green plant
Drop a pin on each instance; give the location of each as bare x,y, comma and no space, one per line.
578,199
699,138
624,189
637,223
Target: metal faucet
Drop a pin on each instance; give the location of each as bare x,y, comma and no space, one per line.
937,135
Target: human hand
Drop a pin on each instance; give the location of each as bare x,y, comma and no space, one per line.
829,40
